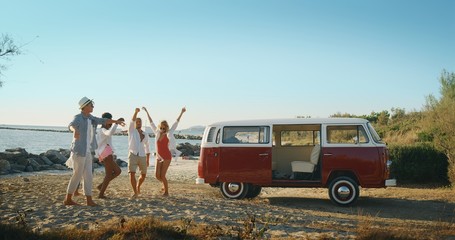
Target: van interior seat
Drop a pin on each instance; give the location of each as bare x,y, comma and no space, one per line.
308,167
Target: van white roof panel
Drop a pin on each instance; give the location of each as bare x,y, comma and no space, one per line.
267,122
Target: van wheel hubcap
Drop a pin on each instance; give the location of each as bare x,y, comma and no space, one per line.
344,192
233,187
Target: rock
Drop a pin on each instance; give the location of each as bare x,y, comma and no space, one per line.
13,157
55,156
22,161
46,160
121,163
189,150
5,167
38,160
17,150
65,152
35,165
46,167
59,167
17,167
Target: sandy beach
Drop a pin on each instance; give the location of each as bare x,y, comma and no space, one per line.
289,212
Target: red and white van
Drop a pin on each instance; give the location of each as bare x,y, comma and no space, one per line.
340,154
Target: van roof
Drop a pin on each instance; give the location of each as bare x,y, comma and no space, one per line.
290,121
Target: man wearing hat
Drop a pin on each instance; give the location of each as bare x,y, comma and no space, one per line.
84,143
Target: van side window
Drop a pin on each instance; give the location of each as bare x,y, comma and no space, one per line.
299,138
352,134
211,134
248,135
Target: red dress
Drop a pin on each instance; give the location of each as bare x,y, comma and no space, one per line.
163,148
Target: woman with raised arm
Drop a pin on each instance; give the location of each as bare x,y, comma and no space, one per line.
105,153
164,143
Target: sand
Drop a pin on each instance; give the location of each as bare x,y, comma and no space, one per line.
289,212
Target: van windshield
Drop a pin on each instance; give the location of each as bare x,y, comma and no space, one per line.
374,134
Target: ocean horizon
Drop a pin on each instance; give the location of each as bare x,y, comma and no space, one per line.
39,139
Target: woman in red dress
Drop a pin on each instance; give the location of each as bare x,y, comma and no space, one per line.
164,142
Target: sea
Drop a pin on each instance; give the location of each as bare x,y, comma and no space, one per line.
39,139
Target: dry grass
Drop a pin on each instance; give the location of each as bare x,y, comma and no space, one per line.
369,228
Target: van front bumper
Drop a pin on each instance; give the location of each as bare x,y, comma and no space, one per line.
390,182
200,181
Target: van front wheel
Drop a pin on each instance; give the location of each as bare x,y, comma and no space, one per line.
234,190
343,191
254,191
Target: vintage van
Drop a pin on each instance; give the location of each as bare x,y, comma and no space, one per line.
341,154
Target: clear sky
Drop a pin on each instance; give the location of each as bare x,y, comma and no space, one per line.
223,60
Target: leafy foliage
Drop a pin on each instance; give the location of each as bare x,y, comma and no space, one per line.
440,120
434,127
419,163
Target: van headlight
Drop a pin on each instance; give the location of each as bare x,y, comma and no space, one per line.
389,163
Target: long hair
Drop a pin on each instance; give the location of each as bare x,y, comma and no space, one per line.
164,124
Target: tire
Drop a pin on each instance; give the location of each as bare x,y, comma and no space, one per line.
234,190
343,191
254,191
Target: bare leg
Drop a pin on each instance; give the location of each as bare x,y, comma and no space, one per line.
141,180
133,183
90,201
164,168
112,170
69,201
158,165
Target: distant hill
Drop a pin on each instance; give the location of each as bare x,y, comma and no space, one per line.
195,131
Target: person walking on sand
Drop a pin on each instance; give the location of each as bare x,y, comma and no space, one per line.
84,142
138,153
105,153
164,143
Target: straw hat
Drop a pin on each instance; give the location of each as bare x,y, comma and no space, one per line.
84,102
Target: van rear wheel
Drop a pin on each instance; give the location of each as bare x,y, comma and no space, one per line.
234,190
343,191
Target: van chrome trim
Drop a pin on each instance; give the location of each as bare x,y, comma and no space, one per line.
200,181
390,182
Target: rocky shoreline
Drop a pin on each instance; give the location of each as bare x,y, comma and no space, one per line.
18,160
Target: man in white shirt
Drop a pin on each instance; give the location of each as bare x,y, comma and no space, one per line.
139,152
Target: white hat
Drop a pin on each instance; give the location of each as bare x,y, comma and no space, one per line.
84,102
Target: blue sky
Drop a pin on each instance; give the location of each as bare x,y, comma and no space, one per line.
223,60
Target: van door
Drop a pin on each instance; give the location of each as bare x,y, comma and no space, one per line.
348,149
245,154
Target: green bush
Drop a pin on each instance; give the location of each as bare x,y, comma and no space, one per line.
418,164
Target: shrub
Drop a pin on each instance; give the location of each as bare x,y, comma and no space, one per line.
418,164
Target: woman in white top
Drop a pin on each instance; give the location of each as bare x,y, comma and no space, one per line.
164,145
105,153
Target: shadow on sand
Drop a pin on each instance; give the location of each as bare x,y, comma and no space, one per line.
379,207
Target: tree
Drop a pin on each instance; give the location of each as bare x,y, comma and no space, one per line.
440,120
7,49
